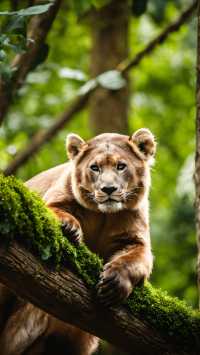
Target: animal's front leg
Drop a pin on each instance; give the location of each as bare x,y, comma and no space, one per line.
124,271
23,327
70,225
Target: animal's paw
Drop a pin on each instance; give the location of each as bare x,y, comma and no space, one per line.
115,284
72,229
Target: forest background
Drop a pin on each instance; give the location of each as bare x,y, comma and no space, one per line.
161,97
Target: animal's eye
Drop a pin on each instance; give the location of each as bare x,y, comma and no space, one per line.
94,167
121,166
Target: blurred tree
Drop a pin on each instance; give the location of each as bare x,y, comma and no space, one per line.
109,32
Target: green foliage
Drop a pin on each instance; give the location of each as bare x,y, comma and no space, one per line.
13,37
82,6
24,217
111,80
176,251
30,11
139,7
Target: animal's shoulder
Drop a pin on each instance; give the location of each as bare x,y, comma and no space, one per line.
46,179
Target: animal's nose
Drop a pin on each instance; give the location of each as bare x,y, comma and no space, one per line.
109,189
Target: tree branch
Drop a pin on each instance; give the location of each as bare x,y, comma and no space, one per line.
40,138
66,297
150,322
38,29
171,28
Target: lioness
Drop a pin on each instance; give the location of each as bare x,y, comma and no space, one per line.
101,196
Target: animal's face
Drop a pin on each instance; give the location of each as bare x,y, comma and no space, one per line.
111,179
111,172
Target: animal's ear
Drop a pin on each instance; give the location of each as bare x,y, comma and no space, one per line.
74,144
145,142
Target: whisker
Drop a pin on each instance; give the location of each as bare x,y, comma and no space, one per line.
129,195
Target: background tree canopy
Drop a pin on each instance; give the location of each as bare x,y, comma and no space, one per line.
161,97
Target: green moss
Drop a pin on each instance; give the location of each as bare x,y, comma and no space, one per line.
24,217
171,316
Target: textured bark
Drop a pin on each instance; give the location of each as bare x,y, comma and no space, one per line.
66,297
109,30
197,158
38,29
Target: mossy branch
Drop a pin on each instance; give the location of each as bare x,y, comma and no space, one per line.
150,321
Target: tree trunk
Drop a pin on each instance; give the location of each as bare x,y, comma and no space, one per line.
197,158
109,30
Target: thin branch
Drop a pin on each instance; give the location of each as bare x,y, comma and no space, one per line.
80,102
171,28
42,137
38,29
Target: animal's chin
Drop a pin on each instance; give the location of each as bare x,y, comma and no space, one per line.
110,206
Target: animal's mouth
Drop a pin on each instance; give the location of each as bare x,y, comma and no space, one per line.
109,200
110,205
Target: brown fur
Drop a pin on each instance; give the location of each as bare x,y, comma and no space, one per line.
114,225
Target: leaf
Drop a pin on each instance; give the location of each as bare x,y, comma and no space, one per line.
2,55
35,10
69,73
139,7
112,80
30,11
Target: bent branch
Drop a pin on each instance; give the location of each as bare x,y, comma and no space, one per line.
40,138
149,322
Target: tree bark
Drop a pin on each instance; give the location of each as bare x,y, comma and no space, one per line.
109,31
197,157
38,29
66,297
